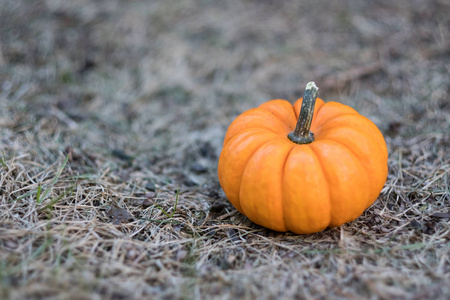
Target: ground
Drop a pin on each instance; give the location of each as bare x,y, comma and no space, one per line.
112,118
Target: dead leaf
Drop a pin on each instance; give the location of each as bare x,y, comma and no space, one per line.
119,215
149,201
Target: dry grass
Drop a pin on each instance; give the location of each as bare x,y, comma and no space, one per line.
138,95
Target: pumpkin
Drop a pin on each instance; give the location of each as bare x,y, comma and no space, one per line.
302,167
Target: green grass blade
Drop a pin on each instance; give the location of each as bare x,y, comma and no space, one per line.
162,209
55,200
175,206
2,160
54,180
25,195
38,193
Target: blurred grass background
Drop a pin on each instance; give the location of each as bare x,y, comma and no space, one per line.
140,94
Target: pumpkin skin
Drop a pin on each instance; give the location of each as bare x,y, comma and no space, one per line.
303,188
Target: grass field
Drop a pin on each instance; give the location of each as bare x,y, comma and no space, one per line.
112,117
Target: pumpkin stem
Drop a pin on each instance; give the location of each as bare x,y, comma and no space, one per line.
301,133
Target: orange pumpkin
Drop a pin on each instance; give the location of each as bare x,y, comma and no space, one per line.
302,167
